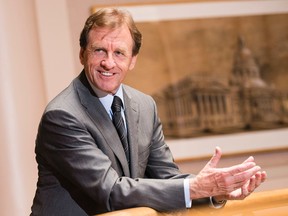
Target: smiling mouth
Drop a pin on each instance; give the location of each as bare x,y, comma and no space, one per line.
107,74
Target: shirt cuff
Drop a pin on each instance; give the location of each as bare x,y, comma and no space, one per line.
188,201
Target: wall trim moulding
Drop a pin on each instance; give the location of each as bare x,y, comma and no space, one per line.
203,9
248,142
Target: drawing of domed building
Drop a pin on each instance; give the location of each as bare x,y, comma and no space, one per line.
193,106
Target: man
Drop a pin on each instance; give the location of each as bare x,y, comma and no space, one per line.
83,167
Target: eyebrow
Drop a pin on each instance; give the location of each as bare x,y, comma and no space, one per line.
93,46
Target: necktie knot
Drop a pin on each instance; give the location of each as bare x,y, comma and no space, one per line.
116,104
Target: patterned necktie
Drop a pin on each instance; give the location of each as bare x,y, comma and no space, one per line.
119,124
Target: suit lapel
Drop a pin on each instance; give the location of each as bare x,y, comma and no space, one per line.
100,117
132,120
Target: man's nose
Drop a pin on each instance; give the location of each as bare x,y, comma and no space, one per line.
108,62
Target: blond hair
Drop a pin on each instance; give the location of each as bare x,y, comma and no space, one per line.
111,18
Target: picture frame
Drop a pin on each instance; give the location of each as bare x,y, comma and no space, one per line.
192,62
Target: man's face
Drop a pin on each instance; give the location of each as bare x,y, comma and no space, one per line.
108,57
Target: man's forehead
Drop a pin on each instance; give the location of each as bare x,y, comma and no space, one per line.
121,31
119,35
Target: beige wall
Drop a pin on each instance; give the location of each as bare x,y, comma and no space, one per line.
22,98
38,58
31,73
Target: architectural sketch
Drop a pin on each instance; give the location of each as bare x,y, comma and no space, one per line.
194,106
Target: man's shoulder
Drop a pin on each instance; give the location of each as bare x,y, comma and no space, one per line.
64,99
134,93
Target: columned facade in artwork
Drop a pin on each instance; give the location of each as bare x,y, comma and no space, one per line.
191,107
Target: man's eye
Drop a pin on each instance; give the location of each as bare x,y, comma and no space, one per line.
118,53
98,50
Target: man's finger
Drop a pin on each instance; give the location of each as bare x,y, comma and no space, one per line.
215,158
252,184
244,189
249,159
263,176
233,170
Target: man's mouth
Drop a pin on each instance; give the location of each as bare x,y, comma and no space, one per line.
105,73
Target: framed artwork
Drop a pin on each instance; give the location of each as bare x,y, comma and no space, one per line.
213,74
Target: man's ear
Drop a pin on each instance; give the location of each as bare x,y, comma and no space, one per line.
81,55
133,62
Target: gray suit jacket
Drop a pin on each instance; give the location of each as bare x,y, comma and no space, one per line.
82,165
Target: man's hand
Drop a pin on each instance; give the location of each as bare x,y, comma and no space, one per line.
235,182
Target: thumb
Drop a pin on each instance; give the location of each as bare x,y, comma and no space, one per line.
215,158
